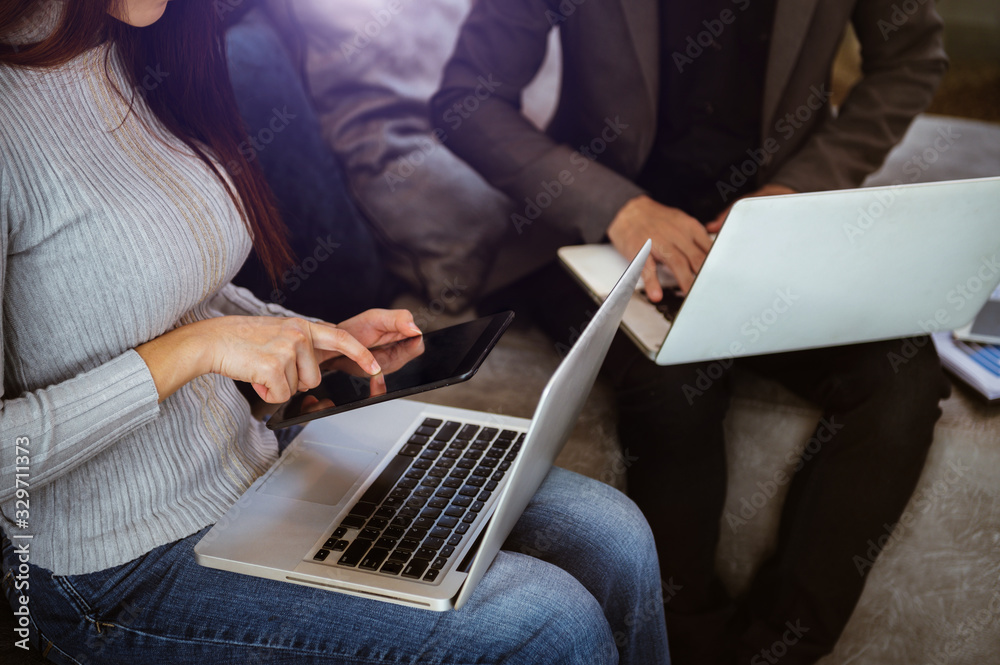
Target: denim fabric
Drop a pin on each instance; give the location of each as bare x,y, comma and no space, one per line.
337,272
577,582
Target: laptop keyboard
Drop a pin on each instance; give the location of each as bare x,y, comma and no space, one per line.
417,513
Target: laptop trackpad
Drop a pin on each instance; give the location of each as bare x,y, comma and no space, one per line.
319,473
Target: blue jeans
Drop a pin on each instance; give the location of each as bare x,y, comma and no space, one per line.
577,582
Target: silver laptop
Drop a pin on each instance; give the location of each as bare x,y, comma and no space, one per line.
407,502
825,269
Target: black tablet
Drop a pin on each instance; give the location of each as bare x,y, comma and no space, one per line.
432,360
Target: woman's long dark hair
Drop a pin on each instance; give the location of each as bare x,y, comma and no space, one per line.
194,100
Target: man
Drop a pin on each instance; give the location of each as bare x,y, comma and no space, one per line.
667,113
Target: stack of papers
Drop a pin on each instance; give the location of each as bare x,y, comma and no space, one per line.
975,363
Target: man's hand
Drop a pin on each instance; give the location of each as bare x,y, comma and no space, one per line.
767,190
679,241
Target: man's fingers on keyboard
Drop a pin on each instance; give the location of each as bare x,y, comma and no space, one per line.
694,254
651,280
703,239
679,266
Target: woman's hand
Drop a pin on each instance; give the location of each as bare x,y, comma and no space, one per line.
381,326
390,358
377,327
277,356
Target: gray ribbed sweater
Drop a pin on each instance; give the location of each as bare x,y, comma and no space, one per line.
109,238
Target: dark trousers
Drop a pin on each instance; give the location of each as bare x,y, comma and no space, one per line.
878,421
337,271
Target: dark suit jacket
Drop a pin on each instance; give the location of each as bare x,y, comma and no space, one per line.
609,91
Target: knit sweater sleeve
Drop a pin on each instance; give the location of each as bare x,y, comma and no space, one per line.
45,433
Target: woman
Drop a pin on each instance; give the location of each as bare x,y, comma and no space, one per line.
120,229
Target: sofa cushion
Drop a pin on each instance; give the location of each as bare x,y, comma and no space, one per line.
371,66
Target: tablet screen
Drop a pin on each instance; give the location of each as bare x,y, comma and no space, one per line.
432,360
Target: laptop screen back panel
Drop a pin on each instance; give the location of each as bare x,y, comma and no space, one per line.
832,268
555,415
